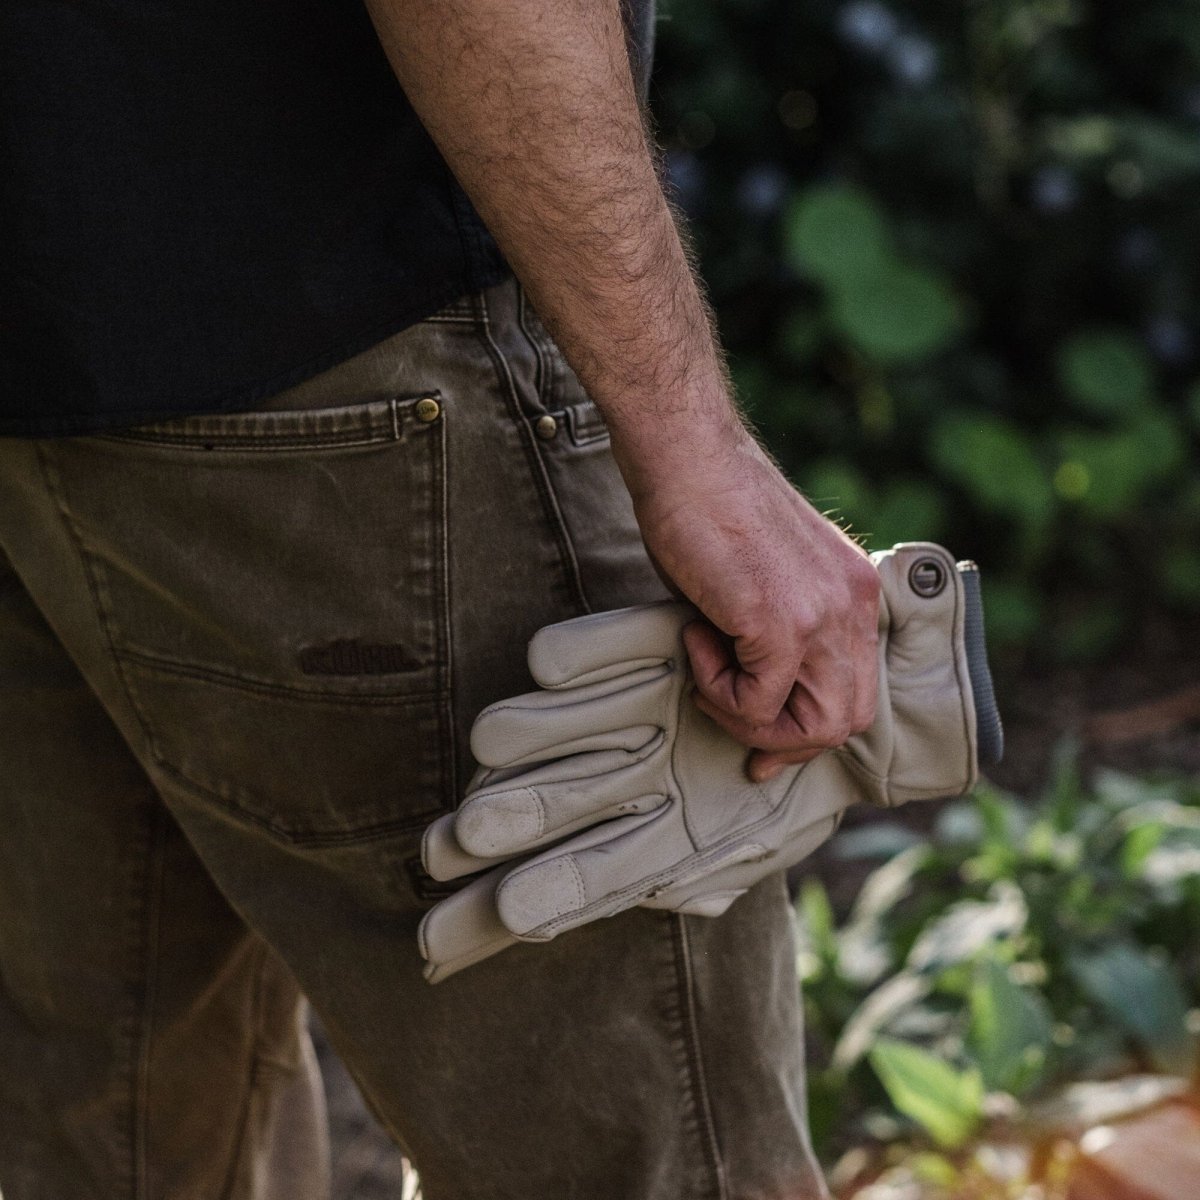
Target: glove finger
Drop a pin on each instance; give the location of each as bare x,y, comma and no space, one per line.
443,853
598,873
443,858
601,646
631,859
541,806
463,929
599,716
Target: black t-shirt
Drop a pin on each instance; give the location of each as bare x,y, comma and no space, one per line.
205,201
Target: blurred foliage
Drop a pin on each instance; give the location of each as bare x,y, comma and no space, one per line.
1015,949
952,250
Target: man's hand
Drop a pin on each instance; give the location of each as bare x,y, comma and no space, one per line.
788,664
532,103
607,788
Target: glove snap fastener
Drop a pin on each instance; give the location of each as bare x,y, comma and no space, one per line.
927,577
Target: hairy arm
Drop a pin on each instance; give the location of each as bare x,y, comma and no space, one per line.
532,104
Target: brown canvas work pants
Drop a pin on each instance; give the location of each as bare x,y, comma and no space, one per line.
239,659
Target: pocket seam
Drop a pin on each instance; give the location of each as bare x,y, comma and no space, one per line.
368,423
296,836
249,683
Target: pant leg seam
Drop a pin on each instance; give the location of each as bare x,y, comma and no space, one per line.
228,1191
700,1096
543,380
553,510
445,630
150,957
54,488
144,883
547,381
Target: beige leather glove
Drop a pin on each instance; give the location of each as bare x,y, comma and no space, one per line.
610,789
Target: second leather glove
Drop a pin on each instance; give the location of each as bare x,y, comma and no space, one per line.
609,788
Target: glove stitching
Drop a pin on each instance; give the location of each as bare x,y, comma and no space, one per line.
535,796
647,886
579,889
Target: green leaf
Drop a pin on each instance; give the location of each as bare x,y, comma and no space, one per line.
836,233
1120,466
1176,862
1006,819
934,1169
889,883
1081,138
1105,372
899,315
817,914
994,462
967,927
1140,843
896,996
947,1103
1011,1030
1140,993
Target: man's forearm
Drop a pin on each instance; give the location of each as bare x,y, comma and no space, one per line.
532,104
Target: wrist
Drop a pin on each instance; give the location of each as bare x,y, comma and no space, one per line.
681,449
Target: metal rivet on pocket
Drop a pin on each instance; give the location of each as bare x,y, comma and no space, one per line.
546,427
428,410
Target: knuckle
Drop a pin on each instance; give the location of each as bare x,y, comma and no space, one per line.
864,582
835,735
758,716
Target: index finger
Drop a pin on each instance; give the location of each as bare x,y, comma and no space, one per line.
750,697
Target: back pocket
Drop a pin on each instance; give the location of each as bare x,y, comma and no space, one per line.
274,589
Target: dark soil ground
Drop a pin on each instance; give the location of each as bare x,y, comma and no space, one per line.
1138,712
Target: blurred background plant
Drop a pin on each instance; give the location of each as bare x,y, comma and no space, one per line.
952,251
1014,950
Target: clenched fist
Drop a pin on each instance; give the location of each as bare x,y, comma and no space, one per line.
786,661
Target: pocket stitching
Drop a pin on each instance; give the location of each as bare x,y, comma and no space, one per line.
248,683
297,835
368,423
